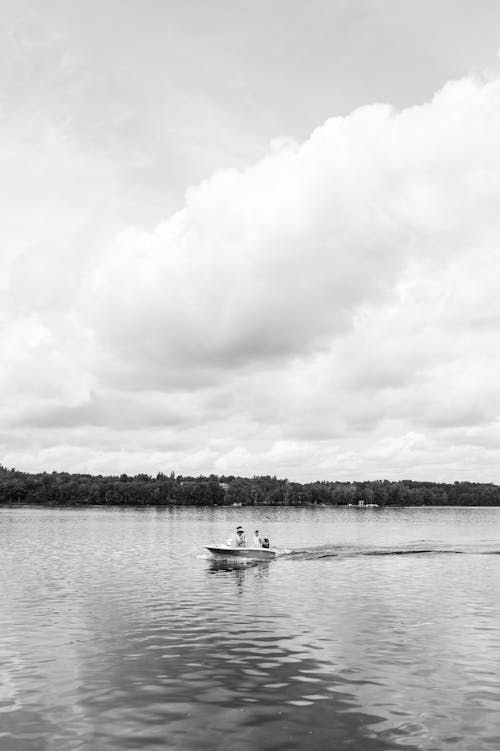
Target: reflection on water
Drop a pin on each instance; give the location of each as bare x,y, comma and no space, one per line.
239,571
375,635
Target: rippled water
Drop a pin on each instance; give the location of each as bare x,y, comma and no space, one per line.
373,629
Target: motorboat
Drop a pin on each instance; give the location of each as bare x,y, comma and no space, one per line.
233,552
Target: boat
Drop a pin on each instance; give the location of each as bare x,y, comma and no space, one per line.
231,552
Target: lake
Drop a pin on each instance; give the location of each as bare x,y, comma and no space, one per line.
373,630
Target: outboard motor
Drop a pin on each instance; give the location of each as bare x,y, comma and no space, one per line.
265,542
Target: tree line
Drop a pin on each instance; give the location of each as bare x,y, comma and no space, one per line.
63,488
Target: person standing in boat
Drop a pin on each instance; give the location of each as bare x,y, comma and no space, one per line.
237,540
257,539
241,541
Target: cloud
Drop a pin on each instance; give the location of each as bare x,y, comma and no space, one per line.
330,309
276,260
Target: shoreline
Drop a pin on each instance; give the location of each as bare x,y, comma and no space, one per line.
142,506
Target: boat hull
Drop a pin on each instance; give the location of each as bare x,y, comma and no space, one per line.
226,552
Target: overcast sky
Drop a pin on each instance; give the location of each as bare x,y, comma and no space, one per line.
251,237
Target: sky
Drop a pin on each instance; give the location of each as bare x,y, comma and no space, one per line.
251,237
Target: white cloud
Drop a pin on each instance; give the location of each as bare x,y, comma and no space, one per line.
329,311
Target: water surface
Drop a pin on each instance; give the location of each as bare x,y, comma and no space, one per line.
373,629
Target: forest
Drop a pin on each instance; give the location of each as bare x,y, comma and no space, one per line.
65,489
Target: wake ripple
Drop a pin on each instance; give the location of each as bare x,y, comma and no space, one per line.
417,548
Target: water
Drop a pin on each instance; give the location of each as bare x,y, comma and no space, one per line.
373,630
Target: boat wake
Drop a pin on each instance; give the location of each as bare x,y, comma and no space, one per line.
421,547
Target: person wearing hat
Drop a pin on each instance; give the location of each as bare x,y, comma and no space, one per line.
237,540
240,534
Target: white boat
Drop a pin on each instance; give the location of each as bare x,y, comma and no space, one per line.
231,552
